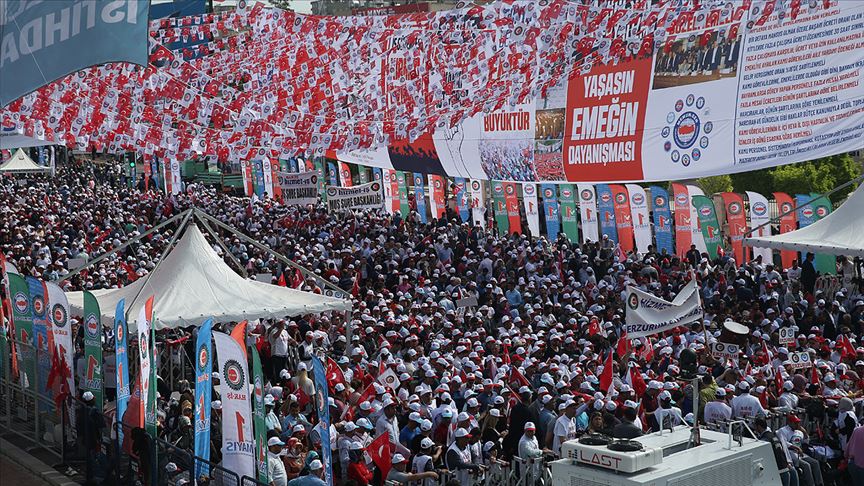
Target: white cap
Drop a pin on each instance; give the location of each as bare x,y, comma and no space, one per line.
302,367
170,467
216,404
460,432
427,443
743,385
339,387
398,458
274,441
529,426
350,427
315,465
495,412
524,389
87,396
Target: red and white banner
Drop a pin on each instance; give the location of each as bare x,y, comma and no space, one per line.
623,218
142,324
345,175
788,223
512,201
641,219
61,329
238,449
736,222
436,195
173,181
532,212
588,212
681,208
391,191
246,171
759,215
268,176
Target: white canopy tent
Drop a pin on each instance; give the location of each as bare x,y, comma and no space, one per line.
839,233
21,163
193,283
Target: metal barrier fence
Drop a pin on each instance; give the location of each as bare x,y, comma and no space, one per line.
518,472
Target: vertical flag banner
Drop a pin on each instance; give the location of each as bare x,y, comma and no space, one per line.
683,234
460,194
40,334
827,264
512,200
22,316
662,219
436,187
238,451
62,337
377,174
246,171
259,424
709,224
258,177
289,165
788,223
550,211
362,174
569,218
420,196
332,174
478,202
121,354
145,316
606,212
759,216
502,221
640,218
148,173
402,182
736,220
203,391
92,348
695,222
532,212
388,191
623,218
587,211
319,374
322,176
345,175
267,171
274,180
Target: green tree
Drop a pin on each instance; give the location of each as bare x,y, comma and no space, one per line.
715,184
821,176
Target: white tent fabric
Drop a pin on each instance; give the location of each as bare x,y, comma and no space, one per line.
14,140
20,162
193,284
839,233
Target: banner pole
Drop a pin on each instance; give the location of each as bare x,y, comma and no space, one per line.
221,244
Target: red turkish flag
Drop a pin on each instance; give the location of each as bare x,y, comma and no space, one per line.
814,376
637,382
624,345
334,373
846,348
379,452
606,376
282,282
778,379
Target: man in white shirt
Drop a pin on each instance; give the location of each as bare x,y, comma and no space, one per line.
279,342
275,467
718,410
746,405
565,427
529,450
788,399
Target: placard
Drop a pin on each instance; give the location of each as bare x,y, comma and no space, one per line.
786,336
800,360
725,350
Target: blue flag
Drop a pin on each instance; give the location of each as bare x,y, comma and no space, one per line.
606,212
662,219
319,375
121,355
292,165
806,214
462,198
203,390
550,210
40,336
44,41
420,195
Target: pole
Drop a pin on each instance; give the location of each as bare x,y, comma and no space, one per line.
221,244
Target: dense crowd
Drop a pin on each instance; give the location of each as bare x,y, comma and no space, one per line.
512,376
508,160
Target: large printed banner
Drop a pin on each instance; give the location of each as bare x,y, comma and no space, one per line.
648,314
238,449
299,189
366,196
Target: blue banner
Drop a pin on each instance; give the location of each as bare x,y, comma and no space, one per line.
258,177
332,174
420,195
462,198
292,165
377,174
319,375
550,210
606,212
40,334
806,214
121,355
155,172
662,219
44,41
203,390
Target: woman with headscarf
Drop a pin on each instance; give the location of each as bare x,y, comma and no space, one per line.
845,422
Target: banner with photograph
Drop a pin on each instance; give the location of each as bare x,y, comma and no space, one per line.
502,221
623,218
298,189
402,183
682,211
788,223
203,391
41,340
366,196
477,201
736,221
512,201
420,197
462,198
92,348
121,358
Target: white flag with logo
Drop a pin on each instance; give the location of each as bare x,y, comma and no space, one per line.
759,215
478,202
58,306
647,314
641,220
389,175
532,212
145,315
268,176
238,449
695,229
588,212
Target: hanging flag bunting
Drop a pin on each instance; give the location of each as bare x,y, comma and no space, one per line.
532,212
826,264
203,390
22,316
143,323
40,336
477,200
345,175
788,223
436,189
736,221
683,233
623,218
92,348
587,211
402,182
319,375
662,220
502,221
64,349
461,198
569,218
259,424
420,197
512,201
639,214
267,171
606,212
238,450
121,355
695,222
550,211
759,216
709,224
246,170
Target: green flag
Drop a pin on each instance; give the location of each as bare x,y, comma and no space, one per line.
569,220
259,426
502,221
826,264
364,174
93,348
403,194
22,316
708,221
